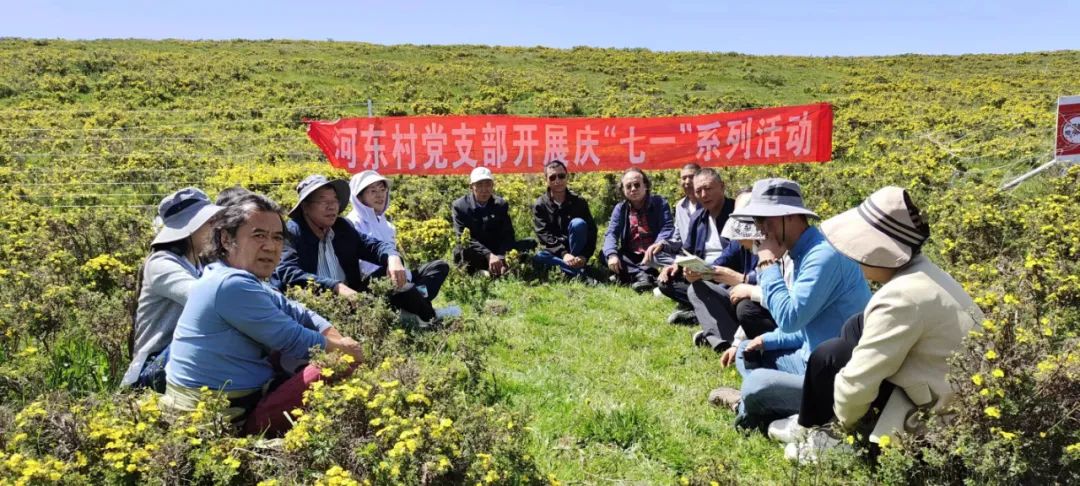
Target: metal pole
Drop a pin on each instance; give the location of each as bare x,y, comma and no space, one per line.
374,140
1015,182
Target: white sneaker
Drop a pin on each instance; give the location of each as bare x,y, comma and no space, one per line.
816,443
449,311
787,430
656,292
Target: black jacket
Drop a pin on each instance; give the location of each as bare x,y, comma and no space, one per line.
489,226
300,260
552,221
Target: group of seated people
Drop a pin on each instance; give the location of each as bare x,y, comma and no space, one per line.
784,301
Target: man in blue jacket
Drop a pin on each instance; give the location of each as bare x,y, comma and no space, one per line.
823,290
636,223
323,249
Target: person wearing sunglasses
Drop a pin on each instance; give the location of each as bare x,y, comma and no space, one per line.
564,225
636,223
825,289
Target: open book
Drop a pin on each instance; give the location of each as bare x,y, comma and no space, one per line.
690,261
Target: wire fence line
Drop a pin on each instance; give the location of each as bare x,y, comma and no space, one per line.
92,110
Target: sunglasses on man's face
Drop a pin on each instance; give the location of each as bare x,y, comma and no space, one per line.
560,175
632,185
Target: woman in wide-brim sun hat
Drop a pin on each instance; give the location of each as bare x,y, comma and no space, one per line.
170,270
894,355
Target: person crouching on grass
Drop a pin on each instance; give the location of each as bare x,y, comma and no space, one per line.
730,300
233,320
172,268
825,290
894,355
564,226
491,231
637,222
370,195
704,240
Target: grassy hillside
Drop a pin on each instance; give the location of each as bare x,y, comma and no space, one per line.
564,382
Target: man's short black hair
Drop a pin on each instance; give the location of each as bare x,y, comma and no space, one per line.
709,171
556,163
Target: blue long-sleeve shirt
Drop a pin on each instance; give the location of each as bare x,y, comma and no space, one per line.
230,323
827,288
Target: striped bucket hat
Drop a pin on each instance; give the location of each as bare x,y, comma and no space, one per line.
886,230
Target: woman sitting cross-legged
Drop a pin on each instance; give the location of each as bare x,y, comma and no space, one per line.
233,320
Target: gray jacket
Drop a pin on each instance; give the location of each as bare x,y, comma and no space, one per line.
167,279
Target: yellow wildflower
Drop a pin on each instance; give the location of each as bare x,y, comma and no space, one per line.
991,355
884,441
992,412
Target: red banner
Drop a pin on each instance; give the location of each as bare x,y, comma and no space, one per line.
431,145
1068,129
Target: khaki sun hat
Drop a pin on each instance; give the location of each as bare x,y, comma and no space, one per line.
886,230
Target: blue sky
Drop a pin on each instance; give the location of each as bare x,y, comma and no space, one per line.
820,28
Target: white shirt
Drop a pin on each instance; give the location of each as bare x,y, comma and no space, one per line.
714,246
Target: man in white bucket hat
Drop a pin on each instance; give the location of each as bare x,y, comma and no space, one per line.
893,356
825,290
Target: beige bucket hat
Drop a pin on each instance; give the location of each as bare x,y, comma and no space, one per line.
886,230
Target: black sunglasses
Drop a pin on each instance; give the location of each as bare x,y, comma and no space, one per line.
560,175
632,185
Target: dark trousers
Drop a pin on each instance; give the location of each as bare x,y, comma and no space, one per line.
473,261
720,319
416,296
676,289
633,268
825,362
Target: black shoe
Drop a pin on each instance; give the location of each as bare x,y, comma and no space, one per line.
682,317
643,285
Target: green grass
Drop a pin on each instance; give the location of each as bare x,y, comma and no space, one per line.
614,393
